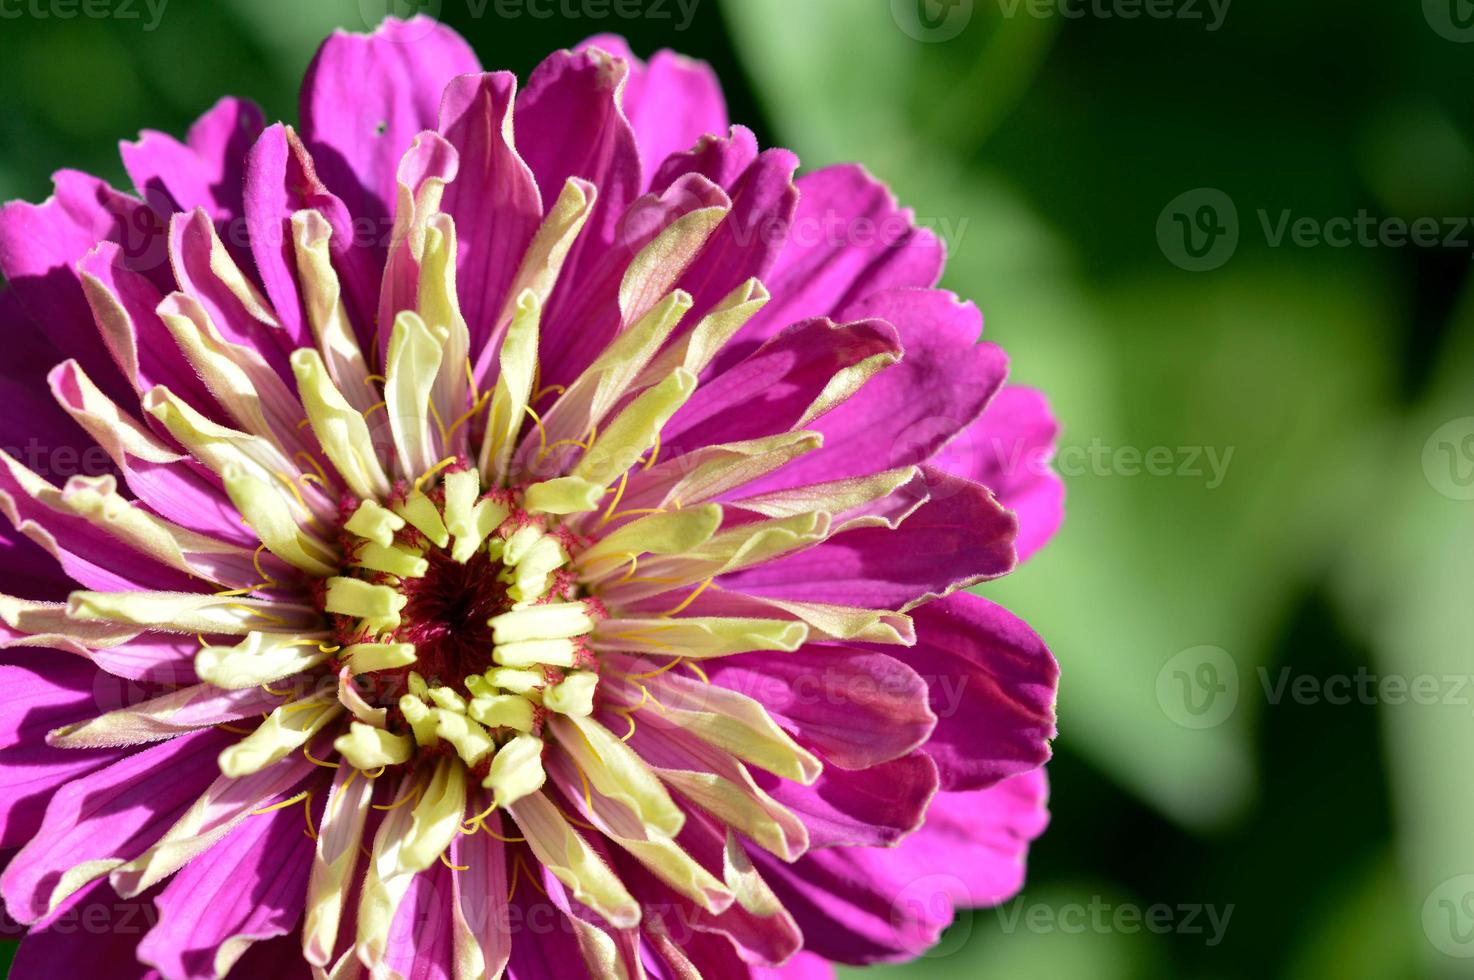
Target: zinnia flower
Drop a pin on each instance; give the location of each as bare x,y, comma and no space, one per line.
485,554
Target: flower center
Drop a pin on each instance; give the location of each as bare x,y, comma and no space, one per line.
457,621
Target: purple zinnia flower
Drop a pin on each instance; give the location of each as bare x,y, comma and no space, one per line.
486,554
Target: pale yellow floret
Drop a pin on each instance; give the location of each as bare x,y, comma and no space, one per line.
502,711
379,605
285,730
372,522
366,747
365,658
573,695
516,770
258,659
553,621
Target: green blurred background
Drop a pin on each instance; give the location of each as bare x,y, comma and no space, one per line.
1217,812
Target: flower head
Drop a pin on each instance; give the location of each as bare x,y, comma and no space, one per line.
529,537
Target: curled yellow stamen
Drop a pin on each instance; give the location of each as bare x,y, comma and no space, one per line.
689,599
453,867
319,762
624,480
654,453
542,432
283,804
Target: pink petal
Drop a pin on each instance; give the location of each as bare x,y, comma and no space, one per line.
114,813
110,927
1008,451
721,159
249,886
280,180
40,245
993,685
590,318
769,391
192,254
873,807
44,690
671,102
849,239
866,905
183,491
420,937
494,201
90,557
429,158
804,966
858,708
124,304
364,98
959,537
206,171
903,415
748,242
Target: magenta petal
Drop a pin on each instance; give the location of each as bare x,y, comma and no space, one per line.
281,179
192,255
569,124
183,491
771,389
858,708
111,927
420,937
114,813
873,807
44,690
1008,451
849,239
494,201
959,537
581,328
992,685
748,241
147,353
868,905
206,171
671,102
429,158
250,886
904,414
804,966
96,560
365,97
40,245
721,159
